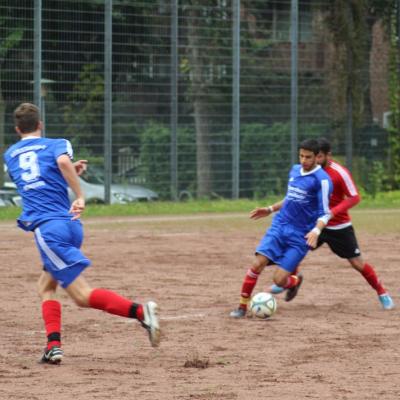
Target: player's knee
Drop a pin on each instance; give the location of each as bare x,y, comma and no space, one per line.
257,267
45,292
259,264
81,299
81,302
280,280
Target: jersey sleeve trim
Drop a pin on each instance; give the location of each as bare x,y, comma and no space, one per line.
70,152
348,181
325,195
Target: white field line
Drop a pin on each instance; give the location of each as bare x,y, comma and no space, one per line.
173,317
130,321
206,216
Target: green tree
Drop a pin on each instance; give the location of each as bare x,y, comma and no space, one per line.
351,24
12,36
394,92
83,112
208,48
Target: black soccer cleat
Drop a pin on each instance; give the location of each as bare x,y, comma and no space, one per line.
52,356
292,292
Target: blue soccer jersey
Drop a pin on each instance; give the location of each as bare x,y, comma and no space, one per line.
32,165
307,198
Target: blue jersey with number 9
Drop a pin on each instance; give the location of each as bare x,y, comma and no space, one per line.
32,165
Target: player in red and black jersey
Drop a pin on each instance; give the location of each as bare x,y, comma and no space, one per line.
339,234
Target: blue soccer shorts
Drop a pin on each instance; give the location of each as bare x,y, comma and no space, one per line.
283,245
59,243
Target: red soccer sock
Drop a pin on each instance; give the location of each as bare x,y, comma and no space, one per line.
113,303
51,313
249,283
369,274
292,281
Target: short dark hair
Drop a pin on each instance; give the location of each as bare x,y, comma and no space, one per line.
310,145
324,145
27,117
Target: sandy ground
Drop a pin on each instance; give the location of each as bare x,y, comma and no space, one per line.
332,342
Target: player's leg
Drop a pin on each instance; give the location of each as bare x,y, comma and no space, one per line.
267,252
59,242
51,313
276,289
287,280
343,243
369,274
249,282
286,275
106,300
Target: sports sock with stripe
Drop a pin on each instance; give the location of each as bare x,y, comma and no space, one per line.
113,303
249,283
51,313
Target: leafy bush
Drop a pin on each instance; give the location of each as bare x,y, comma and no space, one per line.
264,159
155,159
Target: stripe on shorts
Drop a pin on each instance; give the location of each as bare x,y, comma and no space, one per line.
60,264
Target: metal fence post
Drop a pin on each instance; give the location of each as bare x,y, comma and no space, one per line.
37,61
107,100
294,38
174,99
349,97
235,98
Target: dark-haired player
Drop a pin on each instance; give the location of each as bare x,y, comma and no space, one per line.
339,233
303,213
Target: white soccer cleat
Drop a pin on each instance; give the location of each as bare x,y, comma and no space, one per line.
150,322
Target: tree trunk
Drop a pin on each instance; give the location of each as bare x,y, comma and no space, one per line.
366,76
199,95
202,148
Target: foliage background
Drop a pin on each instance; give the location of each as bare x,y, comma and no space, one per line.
348,74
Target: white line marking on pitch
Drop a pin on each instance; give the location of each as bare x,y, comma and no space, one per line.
173,317
177,317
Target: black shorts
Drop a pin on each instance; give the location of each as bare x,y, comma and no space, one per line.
343,242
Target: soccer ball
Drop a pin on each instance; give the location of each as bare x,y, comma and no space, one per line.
263,305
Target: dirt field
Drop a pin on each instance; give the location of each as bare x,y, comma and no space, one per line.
332,342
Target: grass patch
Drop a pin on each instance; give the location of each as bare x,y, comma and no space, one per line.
381,201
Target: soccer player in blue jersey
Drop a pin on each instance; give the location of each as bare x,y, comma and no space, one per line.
42,170
303,213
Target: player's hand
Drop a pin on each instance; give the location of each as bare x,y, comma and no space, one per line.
77,207
80,166
312,239
260,212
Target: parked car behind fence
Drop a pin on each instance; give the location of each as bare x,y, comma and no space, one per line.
92,184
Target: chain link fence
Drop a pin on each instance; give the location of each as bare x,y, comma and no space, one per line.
200,98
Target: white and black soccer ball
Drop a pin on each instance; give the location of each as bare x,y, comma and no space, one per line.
263,305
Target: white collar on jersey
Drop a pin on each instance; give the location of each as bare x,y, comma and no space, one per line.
30,137
317,167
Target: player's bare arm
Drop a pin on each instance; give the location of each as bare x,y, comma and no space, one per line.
312,236
69,173
261,212
80,166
